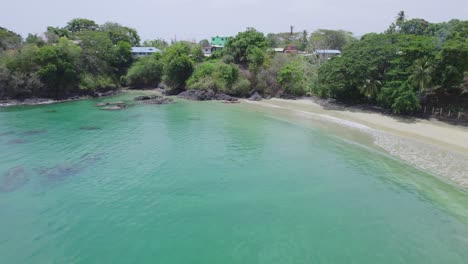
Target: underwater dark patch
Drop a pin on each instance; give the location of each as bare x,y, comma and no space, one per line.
17,141
14,179
34,132
89,128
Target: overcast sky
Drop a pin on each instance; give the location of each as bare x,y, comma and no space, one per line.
195,20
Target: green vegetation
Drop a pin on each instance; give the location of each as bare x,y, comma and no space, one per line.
146,72
414,63
178,66
80,58
219,77
394,70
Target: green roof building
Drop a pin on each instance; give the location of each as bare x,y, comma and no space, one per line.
219,41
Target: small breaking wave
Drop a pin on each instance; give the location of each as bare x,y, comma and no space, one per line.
425,156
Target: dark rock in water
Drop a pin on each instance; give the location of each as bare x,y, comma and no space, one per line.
13,179
60,172
288,96
154,99
225,97
114,107
90,159
102,94
6,133
204,95
159,101
89,128
17,141
146,97
34,132
109,103
198,94
255,97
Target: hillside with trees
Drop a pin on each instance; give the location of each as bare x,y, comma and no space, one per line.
412,65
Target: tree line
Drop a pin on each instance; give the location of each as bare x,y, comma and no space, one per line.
412,63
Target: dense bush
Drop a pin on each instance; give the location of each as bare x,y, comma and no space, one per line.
219,76
178,66
146,72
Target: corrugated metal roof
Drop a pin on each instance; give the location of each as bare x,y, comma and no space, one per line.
145,50
327,52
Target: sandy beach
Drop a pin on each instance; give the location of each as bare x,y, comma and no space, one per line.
431,145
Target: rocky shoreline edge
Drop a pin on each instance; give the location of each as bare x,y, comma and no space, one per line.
45,101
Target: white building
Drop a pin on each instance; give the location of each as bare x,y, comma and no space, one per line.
143,51
327,54
208,50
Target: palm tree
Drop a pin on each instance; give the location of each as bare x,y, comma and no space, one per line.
370,88
401,18
421,76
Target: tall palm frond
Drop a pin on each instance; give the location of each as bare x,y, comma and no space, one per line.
421,77
370,88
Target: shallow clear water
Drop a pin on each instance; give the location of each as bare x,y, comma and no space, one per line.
211,183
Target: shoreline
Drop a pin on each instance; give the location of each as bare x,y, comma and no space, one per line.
430,145
47,101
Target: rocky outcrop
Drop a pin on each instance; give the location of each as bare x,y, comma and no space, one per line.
109,103
154,99
205,95
114,107
108,93
255,97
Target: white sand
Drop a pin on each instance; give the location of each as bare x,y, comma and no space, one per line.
431,145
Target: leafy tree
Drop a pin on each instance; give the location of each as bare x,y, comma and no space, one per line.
415,26
17,84
204,43
97,52
118,33
58,67
304,41
452,62
35,40
292,78
240,45
178,66
146,72
219,76
331,39
121,57
197,53
157,43
406,101
53,34
272,40
81,24
9,39
255,57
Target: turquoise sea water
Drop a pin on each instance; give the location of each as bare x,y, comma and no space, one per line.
211,183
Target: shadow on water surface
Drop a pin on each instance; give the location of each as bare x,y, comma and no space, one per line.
14,179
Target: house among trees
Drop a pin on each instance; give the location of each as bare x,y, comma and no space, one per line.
216,43
143,51
291,49
327,54
208,50
219,41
